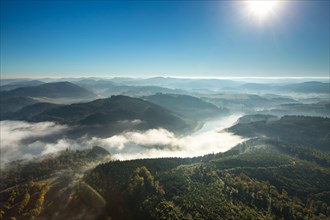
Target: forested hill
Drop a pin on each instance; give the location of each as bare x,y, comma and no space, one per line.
44,187
186,105
255,180
312,132
266,177
107,116
18,172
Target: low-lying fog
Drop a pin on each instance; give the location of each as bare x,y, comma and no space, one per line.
22,140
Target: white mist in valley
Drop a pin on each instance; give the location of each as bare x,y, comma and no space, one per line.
156,143
21,140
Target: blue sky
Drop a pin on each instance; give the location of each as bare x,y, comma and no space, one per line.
163,38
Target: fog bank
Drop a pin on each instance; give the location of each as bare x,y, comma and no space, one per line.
23,140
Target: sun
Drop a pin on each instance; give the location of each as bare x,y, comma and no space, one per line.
262,8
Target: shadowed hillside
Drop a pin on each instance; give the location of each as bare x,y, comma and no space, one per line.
302,130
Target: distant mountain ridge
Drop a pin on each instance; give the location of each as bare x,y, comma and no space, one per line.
25,83
304,87
179,83
51,90
308,87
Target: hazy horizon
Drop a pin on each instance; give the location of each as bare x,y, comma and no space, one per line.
164,76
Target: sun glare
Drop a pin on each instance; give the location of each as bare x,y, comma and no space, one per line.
261,8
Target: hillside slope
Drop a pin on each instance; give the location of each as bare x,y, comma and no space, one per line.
186,105
301,130
118,113
12,104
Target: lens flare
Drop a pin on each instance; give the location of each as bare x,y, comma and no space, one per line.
261,8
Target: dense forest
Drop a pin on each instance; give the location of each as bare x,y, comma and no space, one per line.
261,183
269,176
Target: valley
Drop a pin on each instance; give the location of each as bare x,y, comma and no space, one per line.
195,154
